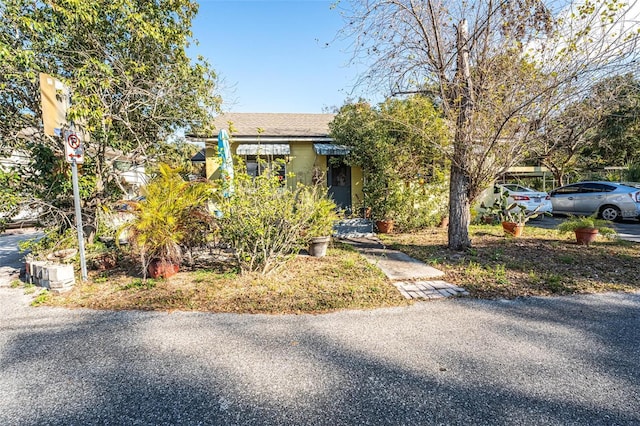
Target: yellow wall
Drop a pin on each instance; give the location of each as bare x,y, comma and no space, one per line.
212,163
302,162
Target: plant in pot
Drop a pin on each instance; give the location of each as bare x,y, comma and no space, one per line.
320,224
586,229
161,221
385,202
512,216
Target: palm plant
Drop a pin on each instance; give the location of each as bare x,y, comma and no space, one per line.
163,219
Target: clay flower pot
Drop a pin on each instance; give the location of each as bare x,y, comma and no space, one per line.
513,228
162,269
384,226
585,236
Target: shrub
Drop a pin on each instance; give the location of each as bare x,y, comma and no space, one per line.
422,205
267,224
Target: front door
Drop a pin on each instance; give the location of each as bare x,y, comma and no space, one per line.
339,182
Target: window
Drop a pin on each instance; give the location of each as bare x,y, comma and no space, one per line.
571,189
257,165
596,187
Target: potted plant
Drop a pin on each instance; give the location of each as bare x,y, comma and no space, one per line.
512,216
385,203
161,221
586,229
320,225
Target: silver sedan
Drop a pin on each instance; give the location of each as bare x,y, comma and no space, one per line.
608,200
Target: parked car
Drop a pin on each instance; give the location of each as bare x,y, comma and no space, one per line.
531,199
609,200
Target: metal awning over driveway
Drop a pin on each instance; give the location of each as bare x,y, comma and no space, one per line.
330,149
264,149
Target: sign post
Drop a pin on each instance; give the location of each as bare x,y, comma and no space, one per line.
75,155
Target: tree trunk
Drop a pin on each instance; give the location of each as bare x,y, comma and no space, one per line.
459,210
459,189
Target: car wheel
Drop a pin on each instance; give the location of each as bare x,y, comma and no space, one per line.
611,213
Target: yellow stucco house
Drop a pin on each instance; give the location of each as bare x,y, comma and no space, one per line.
301,140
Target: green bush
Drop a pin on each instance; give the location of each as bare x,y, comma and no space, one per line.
421,206
267,224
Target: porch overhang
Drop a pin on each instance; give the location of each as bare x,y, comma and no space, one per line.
330,149
264,149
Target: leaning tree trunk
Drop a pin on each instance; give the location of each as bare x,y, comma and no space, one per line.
459,190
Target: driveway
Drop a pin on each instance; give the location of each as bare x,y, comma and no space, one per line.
534,361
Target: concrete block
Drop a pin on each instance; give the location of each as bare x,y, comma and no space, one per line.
60,273
60,284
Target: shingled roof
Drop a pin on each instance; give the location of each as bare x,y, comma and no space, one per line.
275,124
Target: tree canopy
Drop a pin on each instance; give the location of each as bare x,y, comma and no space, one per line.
496,69
125,63
396,143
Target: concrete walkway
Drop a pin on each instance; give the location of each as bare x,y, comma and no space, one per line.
413,278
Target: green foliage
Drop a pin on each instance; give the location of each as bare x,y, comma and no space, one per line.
172,212
41,298
400,146
267,224
578,222
324,211
422,205
131,84
138,284
9,196
633,173
54,239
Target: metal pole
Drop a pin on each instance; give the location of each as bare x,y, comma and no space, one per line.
76,201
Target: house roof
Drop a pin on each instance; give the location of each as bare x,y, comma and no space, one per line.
275,124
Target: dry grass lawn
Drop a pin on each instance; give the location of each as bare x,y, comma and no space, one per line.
341,280
542,262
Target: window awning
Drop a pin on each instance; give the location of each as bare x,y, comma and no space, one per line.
264,149
330,149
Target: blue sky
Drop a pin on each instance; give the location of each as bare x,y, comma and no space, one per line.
272,55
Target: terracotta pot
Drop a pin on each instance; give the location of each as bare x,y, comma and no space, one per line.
318,246
162,269
384,226
512,228
585,236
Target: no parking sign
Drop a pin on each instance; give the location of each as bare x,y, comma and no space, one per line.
73,149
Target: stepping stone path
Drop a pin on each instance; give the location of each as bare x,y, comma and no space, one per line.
428,289
412,278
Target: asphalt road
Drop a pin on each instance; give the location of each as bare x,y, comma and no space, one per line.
11,260
535,361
